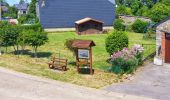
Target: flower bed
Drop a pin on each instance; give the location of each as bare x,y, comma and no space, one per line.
127,61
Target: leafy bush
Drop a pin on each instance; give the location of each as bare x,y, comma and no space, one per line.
118,25
37,39
116,41
69,43
126,61
9,35
139,26
35,27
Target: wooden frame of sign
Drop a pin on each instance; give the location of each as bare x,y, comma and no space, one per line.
83,53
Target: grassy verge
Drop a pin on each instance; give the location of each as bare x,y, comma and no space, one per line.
38,66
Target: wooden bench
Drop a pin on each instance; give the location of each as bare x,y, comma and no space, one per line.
58,63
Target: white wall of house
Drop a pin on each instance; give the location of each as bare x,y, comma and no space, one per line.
22,12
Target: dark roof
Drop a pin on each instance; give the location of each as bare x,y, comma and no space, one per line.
4,8
83,43
23,6
64,13
86,20
162,21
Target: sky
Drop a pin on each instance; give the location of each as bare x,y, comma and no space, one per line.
11,2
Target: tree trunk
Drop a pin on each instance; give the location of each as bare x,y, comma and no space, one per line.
35,51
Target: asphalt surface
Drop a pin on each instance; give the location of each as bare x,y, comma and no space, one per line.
152,82
18,86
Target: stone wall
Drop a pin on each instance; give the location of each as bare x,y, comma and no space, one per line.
131,19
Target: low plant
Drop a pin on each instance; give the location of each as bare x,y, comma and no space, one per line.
126,61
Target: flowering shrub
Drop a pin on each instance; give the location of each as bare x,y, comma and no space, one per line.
126,61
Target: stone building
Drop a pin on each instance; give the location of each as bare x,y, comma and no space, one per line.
163,42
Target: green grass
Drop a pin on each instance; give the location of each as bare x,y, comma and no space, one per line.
56,44
38,66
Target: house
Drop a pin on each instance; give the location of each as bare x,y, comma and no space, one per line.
64,13
163,42
22,8
3,9
88,26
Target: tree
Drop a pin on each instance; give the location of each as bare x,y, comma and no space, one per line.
159,12
37,39
123,10
21,2
23,39
9,36
143,11
32,7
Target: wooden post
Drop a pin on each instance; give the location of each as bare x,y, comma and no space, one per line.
91,69
77,60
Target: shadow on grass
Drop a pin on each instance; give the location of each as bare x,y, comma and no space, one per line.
85,71
31,54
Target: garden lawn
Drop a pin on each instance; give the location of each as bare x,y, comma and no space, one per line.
55,46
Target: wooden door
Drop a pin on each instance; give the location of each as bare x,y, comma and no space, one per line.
167,50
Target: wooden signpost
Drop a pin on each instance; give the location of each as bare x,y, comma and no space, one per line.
84,53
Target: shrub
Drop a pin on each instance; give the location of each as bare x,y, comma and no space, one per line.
118,25
37,39
139,26
126,61
116,41
69,43
35,27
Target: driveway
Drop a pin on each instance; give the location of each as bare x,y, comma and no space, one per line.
153,82
18,86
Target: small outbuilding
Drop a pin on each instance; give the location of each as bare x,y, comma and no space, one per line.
88,26
163,42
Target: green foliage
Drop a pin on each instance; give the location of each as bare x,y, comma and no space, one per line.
35,27
121,66
123,10
32,8
127,61
9,36
118,25
116,41
21,1
166,2
69,43
12,12
143,11
24,38
37,39
28,19
139,26
16,35
159,12
22,19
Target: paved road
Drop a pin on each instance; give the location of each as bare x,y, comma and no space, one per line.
18,86
153,82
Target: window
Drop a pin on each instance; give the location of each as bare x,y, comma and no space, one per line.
24,12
